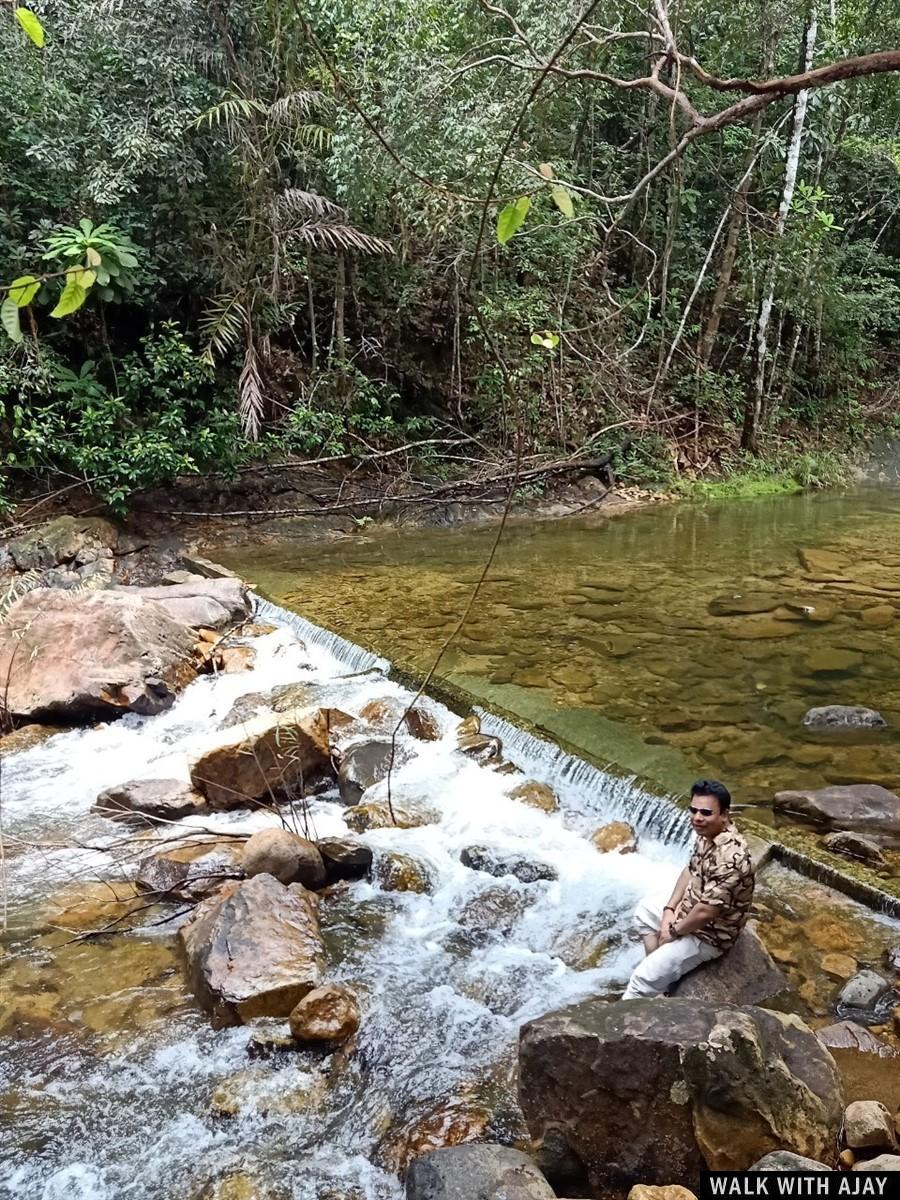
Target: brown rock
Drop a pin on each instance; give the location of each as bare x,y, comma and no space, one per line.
451,1121
480,747
91,656
26,737
190,871
345,858
233,659
366,763
847,1035
286,855
140,799
879,616
828,661
422,725
846,1158
745,975
254,950
272,758
822,562
839,966
379,815
535,795
395,872
868,1126
895,1019
670,1191
855,845
328,1014
861,806
675,1085
95,905
617,835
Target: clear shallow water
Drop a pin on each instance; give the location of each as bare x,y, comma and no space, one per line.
602,630
108,1071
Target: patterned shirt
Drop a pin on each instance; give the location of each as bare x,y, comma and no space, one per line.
721,875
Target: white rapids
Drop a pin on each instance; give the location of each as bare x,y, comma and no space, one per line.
441,1010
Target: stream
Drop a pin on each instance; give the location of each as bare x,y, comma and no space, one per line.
112,1082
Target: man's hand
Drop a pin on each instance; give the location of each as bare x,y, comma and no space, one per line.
665,929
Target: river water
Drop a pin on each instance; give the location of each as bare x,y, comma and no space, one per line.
678,641
112,1083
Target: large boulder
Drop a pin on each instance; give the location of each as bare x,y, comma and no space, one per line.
345,858
271,758
286,855
865,806
745,975
476,1172
367,763
65,541
651,1091
148,799
254,950
91,656
201,603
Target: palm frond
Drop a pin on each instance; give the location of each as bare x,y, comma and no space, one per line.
250,393
314,137
230,111
222,324
324,235
297,201
299,104
17,589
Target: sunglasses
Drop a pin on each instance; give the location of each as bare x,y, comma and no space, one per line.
700,812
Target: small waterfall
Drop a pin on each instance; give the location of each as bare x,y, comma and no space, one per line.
598,792
354,658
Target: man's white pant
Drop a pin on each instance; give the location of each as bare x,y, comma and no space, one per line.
664,966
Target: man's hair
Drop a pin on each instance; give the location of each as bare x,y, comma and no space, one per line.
712,787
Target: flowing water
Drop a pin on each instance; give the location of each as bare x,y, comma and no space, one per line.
112,1083
675,642
108,1069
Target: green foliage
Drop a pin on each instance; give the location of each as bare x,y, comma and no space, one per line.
166,417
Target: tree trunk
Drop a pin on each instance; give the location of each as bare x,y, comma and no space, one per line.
339,348
753,409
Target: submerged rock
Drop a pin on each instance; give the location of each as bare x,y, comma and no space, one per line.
831,661
843,716
865,806
273,758
142,798
499,863
286,855
847,1035
26,737
367,763
745,975
476,1172
254,950
535,795
190,872
326,1015
493,912
378,814
855,845
395,872
616,835
91,656
674,1086
345,858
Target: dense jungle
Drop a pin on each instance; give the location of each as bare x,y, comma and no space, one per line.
242,232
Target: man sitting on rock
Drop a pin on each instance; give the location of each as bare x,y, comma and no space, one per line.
708,908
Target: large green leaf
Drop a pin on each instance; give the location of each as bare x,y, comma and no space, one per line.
563,201
511,219
72,298
32,26
9,318
23,290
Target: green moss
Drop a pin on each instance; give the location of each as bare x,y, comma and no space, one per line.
739,487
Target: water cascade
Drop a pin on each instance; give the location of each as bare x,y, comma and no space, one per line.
117,1091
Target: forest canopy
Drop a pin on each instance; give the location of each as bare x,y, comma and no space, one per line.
238,230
